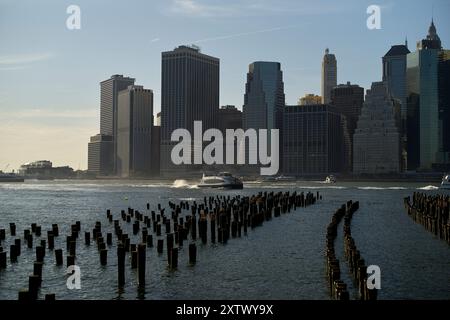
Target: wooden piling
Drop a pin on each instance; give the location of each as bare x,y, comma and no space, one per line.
141,265
59,257
192,253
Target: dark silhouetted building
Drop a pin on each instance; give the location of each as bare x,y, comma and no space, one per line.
313,140
229,117
100,155
134,132
394,75
189,92
348,100
427,100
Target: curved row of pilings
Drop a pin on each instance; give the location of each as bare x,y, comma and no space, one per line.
224,216
357,267
356,263
432,212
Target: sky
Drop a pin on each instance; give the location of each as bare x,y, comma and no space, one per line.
49,75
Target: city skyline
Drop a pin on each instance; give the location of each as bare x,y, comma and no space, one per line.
50,98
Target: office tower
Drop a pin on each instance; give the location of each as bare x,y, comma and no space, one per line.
189,92
134,130
444,110
229,117
376,142
264,96
100,155
394,75
263,101
329,75
313,140
426,106
348,100
309,99
109,90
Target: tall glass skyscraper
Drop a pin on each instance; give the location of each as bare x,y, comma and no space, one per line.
424,127
264,98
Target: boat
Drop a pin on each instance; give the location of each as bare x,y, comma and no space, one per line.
284,178
445,184
222,180
10,177
330,179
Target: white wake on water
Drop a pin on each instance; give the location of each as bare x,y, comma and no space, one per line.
428,188
183,184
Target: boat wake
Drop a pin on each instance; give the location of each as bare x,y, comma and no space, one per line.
183,184
428,188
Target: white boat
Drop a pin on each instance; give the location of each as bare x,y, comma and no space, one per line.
330,179
445,184
222,180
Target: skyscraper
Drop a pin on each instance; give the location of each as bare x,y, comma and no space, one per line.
348,100
313,140
109,91
329,75
426,107
189,92
134,132
394,75
264,100
100,155
376,142
229,117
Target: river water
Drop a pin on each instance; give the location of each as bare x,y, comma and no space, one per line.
283,259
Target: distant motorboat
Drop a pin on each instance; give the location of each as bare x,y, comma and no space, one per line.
222,180
10,177
330,179
445,184
284,178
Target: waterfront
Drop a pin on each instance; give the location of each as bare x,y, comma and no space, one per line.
282,260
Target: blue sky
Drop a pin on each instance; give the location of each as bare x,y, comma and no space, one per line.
49,83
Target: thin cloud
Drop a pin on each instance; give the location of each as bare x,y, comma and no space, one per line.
20,59
236,35
154,40
197,8
13,68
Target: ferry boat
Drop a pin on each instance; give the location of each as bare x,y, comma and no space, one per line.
445,184
10,177
330,179
222,180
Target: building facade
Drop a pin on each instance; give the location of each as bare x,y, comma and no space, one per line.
109,91
427,71
264,101
100,155
134,132
229,117
329,76
313,140
376,142
309,99
394,75
189,92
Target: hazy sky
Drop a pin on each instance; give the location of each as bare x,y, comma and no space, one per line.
49,75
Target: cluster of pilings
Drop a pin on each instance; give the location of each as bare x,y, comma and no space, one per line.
356,263
431,211
338,288
225,217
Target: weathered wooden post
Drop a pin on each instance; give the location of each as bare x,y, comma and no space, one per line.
141,265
